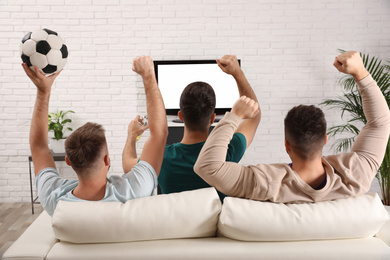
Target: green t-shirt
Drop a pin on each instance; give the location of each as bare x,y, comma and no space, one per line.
177,173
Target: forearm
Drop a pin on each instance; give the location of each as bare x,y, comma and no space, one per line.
211,164
153,151
244,88
39,122
155,109
372,140
40,152
129,155
247,127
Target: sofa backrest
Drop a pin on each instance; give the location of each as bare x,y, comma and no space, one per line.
249,220
189,214
194,214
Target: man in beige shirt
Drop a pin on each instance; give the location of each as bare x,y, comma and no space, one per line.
311,177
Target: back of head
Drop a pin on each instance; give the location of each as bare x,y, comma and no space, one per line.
85,146
305,130
197,105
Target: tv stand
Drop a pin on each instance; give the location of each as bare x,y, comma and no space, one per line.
177,120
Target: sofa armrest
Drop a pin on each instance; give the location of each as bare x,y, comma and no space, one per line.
35,242
384,232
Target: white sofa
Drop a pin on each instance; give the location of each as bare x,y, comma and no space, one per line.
194,225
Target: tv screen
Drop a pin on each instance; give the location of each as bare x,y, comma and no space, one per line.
174,75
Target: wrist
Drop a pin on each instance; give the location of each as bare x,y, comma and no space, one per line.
148,76
234,112
238,74
43,92
131,138
360,75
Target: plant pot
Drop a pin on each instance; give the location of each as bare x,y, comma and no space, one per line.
57,146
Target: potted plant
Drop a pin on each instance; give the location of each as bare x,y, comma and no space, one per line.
351,103
57,122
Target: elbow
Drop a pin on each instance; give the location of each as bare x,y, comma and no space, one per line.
206,170
159,133
198,168
164,132
387,118
125,168
257,118
383,122
201,169
37,147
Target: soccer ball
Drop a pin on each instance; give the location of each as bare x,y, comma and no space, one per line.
44,49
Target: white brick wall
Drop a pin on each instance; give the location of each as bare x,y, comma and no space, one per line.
286,46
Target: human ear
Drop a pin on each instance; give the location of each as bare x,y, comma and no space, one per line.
180,116
212,118
67,160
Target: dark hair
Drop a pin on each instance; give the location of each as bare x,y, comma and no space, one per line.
197,105
305,130
84,146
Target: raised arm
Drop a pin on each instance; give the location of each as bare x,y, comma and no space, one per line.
372,140
153,150
229,64
129,155
232,179
39,146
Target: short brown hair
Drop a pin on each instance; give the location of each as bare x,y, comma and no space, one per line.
197,105
84,146
305,130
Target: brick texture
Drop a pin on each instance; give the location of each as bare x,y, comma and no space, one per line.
287,49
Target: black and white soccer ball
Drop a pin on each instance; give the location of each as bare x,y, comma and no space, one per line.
44,49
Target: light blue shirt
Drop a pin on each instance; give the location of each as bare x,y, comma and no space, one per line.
139,182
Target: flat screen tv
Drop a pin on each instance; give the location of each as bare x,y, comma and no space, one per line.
174,75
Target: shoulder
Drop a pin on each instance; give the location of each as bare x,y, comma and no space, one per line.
47,171
142,167
50,178
51,187
236,147
238,138
47,175
141,172
170,147
349,163
344,160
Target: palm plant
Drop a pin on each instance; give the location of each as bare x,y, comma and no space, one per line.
351,103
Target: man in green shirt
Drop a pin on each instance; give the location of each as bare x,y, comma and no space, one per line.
197,105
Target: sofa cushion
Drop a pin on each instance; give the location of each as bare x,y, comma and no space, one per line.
248,220
384,232
189,214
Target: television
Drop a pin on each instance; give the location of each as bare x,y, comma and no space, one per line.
174,75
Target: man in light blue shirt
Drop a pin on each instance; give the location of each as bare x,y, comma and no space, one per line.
87,152
140,182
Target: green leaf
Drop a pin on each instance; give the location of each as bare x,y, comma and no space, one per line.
69,111
343,145
57,121
340,129
66,121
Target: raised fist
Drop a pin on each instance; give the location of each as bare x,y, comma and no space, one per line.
245,108
143,66
351,63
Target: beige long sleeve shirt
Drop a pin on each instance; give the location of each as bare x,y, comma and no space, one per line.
348,174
